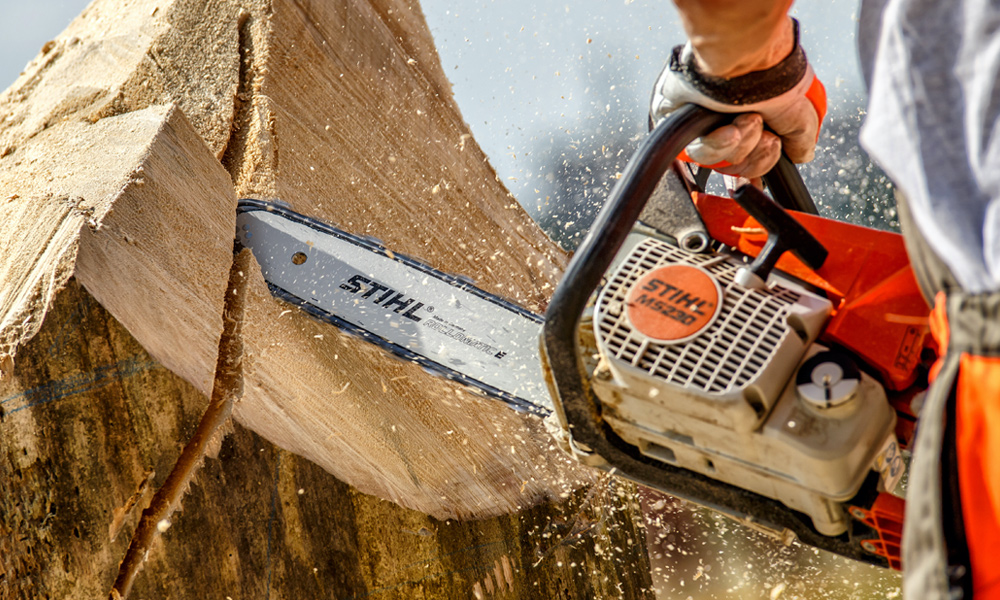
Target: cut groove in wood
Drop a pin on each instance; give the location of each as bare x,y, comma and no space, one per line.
227,389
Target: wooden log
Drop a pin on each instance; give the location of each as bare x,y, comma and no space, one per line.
122,151
331,113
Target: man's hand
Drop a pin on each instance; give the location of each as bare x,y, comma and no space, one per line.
785,95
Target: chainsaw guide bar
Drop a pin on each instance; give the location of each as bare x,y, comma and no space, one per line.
439,321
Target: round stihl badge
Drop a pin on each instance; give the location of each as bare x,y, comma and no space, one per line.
673,303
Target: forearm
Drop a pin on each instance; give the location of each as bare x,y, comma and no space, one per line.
733,37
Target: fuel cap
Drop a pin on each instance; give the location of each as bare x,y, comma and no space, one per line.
828,379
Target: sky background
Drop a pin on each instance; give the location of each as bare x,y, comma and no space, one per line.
556,93
571,70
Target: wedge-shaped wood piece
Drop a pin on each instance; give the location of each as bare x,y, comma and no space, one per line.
159,258
385,153
139,208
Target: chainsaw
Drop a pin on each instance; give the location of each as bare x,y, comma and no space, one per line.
740,353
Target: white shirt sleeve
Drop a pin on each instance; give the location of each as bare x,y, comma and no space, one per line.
932,117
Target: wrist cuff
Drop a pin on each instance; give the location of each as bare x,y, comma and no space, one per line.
749,88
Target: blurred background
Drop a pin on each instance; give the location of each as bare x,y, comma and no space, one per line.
557,96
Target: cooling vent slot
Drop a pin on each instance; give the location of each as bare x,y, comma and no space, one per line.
727,356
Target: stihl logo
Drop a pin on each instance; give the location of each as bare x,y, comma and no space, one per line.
384,296
674,295
673,303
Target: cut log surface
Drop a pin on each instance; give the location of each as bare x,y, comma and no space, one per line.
123,149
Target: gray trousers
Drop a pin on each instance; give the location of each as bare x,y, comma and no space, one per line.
936,562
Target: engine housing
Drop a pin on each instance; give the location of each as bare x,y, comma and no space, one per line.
702,373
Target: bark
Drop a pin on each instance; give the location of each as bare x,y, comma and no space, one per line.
123,149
